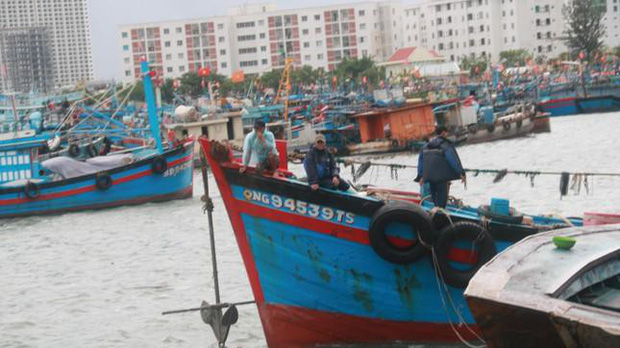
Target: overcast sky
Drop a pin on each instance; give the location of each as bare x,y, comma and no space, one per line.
106,15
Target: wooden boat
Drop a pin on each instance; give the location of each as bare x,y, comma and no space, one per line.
535,294
31,186
331,267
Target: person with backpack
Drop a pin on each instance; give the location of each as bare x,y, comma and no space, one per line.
438,164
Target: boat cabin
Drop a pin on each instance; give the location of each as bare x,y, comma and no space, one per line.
411,122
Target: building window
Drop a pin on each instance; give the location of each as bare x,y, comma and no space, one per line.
168,56
179,30
317,30
181,56
248,63
180,43
307,57
471,43
220,26
224,65
167,44
319,43
241,25
221,39
262,35
319,56
222,52
247,50
304,18
127,60
182,68
169,69
166,31
263,48
261,23
127,72
124,35
246,37
306,45
264,61
361,13
304,32
125,47
317,17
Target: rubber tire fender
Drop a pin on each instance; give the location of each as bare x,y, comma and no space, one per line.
491,128
32,190
91,150
395,144
159,165
458,231
74,150
103,181
519,124
472,128
506,126
404,212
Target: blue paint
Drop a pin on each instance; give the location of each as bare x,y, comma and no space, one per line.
151,107
299,267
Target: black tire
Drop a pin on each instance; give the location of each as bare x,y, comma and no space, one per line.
395,144
407,213
159,165
74,150
472,128
506,126
107,146
103,181
515,217
459,231
519,124
32,190
91,150
491,128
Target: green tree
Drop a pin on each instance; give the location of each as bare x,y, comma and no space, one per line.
191,84
585,28
475,66
512,58
271,79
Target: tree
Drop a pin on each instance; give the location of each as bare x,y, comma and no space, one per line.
585,28
475,66
512,58
271,79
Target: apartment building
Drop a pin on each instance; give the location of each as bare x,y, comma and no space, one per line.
257,38
68,28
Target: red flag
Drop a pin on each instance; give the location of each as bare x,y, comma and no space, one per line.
204,72
582,55
364,79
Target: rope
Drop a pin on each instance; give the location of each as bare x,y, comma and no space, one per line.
528,173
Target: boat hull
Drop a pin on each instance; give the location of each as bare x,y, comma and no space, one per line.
135,183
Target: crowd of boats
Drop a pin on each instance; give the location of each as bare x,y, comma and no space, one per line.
375,265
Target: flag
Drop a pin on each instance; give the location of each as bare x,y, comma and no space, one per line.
238,76
204,72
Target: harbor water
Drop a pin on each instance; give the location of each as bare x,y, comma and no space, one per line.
102,278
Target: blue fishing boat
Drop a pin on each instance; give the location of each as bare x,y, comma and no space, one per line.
30,184
331,267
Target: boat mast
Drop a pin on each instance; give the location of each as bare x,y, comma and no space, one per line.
151,108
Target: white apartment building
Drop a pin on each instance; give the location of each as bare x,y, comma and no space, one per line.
69,30
258,38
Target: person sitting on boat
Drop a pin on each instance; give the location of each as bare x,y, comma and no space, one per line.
321,167
259,149
438,164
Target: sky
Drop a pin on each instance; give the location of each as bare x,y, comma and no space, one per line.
107,15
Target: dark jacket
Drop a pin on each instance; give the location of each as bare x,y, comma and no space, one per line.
320,165
438,161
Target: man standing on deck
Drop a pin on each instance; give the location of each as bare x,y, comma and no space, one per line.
321,167
438,164
259,149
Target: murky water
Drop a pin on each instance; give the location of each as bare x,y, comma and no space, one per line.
102,279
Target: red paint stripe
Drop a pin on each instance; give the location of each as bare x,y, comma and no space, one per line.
288,326
465,256
89,188
552,101
335,230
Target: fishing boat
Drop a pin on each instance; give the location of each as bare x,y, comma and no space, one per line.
575,105
331,267
554,289
32,184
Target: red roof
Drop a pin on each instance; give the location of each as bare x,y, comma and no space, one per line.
402,54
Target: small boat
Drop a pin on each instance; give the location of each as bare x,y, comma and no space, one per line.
573,105
330,267
555,289
32,184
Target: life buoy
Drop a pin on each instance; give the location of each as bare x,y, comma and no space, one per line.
103,181
506,125
32,190
159,165
74,150
472,128
483,249
397,249
491,128
91,150
514,217
395,144
519,124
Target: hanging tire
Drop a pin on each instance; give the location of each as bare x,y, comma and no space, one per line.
74,150
407,251
515,217
472,128
519,124
91,150
159,165
491,128
107,146
506,126
395,144
103,181
483,250
32,190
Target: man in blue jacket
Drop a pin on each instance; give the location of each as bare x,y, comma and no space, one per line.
438,164
259,149
321,167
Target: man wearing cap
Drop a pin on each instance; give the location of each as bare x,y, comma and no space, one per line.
259,149
321,167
